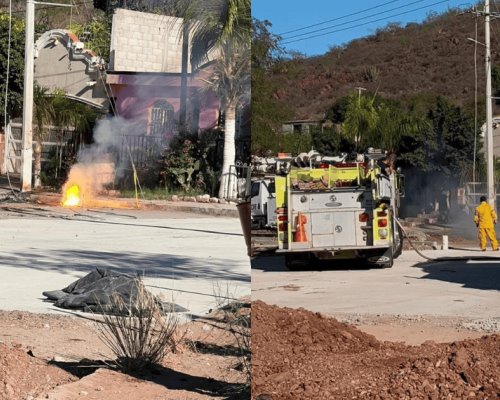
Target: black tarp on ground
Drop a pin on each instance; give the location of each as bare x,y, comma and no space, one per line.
93,293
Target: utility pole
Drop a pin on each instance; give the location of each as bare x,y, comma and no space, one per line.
27,139
360,89
489,113
29,66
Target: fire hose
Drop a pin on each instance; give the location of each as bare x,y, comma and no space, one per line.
405,234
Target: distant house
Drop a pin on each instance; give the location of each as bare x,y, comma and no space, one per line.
300,125
61,63
144,75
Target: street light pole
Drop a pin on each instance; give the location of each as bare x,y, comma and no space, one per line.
27,139
489,113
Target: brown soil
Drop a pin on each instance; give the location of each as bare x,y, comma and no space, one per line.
61,358
298,354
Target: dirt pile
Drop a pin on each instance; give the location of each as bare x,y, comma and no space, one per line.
299,354
24,376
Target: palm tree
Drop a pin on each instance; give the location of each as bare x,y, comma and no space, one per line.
56,110
231,82
222,27
361,120
394,123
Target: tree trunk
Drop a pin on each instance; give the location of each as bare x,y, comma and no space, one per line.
228,184
184,73
38,165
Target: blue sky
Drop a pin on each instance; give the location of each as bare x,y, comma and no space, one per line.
288,15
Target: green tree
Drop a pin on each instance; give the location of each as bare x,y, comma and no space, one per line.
96,34
454,132
361,119
295,143
268,111
222,27
336,113
394,122
16,66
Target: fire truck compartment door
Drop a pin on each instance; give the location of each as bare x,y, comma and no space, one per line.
322,229
344,228
334,229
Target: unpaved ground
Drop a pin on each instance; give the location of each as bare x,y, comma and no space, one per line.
298,354
61,358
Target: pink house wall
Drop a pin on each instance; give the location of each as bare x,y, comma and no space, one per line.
136,94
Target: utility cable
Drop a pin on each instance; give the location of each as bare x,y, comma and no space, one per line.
49,7
338,18
189,291
351,21
365,23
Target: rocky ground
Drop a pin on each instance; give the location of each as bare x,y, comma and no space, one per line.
61,357
298,354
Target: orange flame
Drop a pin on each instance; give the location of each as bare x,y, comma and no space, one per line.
72,196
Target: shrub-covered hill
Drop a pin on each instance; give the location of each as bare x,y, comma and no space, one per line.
396,62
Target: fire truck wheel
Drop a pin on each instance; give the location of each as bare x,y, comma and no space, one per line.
389,257
388,264
398,240
297,261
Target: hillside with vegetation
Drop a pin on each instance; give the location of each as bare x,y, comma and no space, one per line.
435,57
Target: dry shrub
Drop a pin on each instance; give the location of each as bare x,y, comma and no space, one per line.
237,316
142,333
241,330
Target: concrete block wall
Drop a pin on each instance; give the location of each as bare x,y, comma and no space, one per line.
144,42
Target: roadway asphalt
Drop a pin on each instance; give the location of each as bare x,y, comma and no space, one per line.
463,283
184,256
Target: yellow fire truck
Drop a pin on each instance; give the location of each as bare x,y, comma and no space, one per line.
333,207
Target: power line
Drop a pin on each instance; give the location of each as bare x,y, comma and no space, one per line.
49,7
365,23
336,19
354,20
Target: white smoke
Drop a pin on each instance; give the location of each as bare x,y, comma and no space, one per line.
100,164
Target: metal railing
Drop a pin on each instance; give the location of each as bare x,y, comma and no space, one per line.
239,182
141,149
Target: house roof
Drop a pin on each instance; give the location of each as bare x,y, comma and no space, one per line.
196,79
63,63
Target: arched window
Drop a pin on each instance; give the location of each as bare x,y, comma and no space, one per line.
162,117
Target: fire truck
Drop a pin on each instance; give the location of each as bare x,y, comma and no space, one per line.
337,208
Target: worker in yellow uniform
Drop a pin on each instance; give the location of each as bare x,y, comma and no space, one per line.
485,219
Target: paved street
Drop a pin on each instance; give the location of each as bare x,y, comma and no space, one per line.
467,287
184,256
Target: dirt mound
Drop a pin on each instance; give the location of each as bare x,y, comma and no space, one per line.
307,330
22,375
300,354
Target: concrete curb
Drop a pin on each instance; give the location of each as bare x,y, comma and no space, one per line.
226,210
